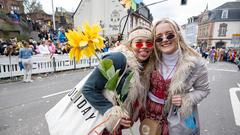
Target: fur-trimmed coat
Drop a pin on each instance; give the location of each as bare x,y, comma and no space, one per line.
103,100
191,81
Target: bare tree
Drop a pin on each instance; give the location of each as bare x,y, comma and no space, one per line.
32,6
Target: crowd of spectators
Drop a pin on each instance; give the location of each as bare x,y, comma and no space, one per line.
221,54
50,41
47,44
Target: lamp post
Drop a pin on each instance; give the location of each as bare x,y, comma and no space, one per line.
53,17
130,12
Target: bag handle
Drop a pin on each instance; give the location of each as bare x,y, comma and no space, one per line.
98,125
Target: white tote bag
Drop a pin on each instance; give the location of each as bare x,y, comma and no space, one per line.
74,115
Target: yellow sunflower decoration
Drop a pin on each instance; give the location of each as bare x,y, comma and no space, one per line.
84,42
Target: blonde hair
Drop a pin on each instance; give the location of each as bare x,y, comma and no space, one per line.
183,47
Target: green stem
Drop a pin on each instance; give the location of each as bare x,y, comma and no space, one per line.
97,56
121,105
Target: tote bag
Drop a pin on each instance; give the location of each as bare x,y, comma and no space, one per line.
74,115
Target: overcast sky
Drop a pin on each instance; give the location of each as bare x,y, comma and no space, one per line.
171,8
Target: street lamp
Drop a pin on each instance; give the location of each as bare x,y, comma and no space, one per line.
53,17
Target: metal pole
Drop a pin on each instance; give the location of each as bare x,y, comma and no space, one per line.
54,64
121,22
53,17
126,21
10,66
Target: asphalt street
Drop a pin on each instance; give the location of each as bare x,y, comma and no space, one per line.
23,105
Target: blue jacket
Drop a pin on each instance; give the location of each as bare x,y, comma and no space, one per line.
25,53
94,86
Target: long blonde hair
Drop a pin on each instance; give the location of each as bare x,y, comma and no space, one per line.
183,47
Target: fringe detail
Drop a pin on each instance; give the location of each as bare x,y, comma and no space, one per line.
114,114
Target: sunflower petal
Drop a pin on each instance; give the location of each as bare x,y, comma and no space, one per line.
95,40
83,43
77,54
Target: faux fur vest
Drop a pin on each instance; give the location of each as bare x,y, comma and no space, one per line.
189,80
139,84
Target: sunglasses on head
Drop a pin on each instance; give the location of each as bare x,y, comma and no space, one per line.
168,37
140,44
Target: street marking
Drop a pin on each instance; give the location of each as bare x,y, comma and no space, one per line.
213,78
235,104
238,85
226,70
55,94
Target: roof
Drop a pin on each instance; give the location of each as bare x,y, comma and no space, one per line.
230,5
233,9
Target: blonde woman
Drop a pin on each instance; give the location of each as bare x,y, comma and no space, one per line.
178,83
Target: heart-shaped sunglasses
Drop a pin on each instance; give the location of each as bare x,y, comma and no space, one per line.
140,44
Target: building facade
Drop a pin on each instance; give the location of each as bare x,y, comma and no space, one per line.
191,31
6,6
111,15
205,29
220,27
226,20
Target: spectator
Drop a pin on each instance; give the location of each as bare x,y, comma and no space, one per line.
61,35
43,48
8,48
51,47
65,48
25,55
212,54
2,46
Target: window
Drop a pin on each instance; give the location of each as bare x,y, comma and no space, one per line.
131,22
224,14
1,5
222,30
15,8
206,31
205,17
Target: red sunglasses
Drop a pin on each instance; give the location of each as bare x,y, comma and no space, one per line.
140,44
168,37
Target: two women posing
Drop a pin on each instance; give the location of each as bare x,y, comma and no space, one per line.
166,86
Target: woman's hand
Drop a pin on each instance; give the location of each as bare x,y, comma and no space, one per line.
177,100
126,122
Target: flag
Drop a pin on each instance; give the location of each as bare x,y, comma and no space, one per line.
138,1
130,4
134,5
